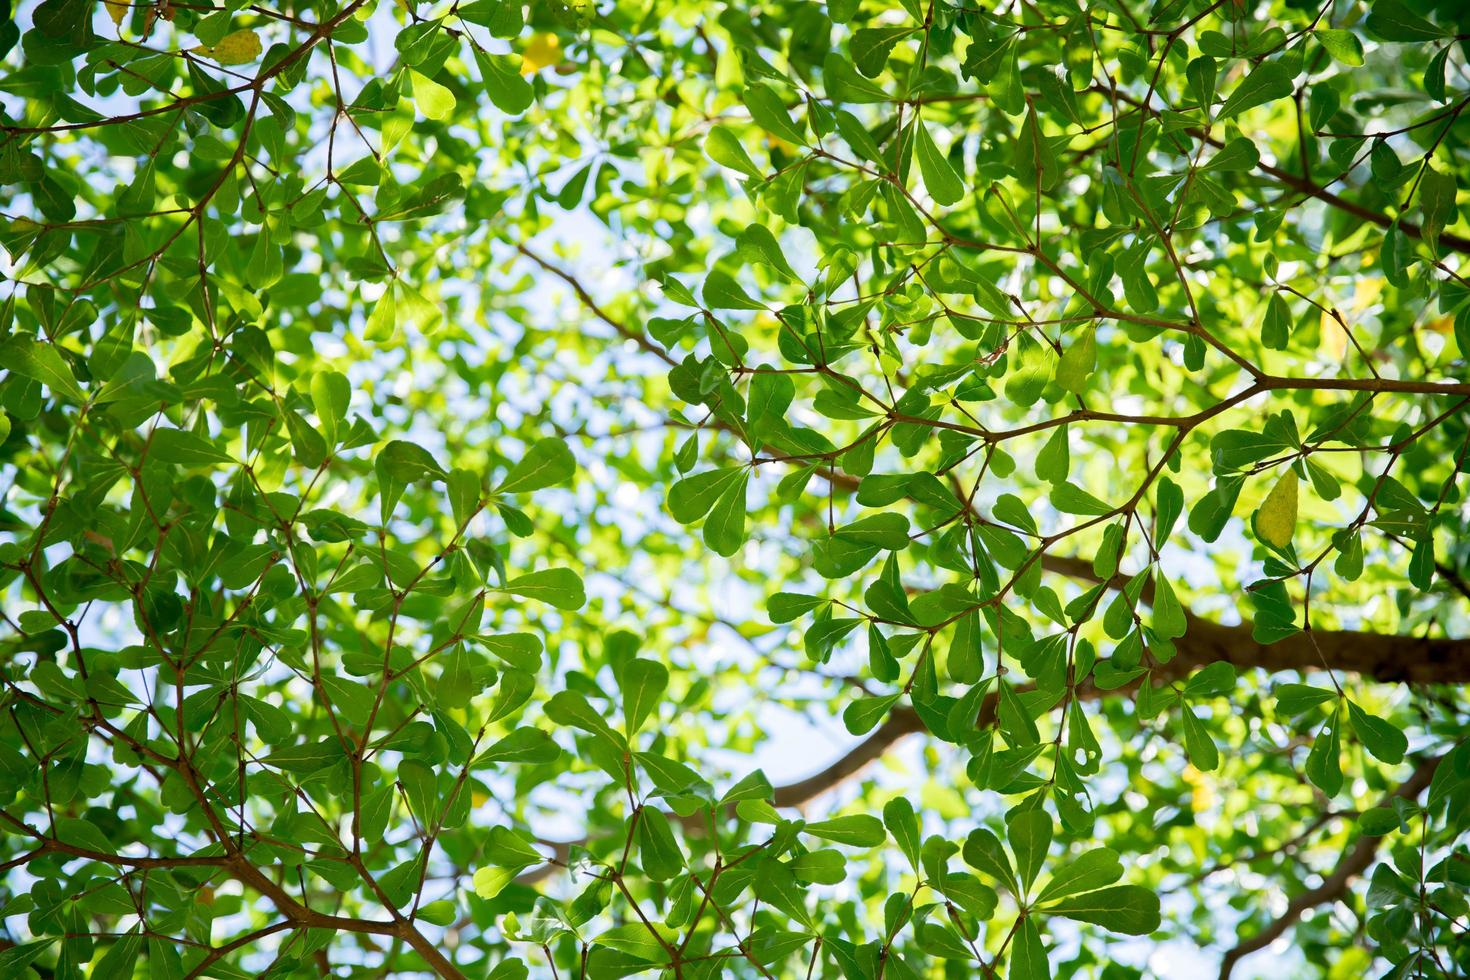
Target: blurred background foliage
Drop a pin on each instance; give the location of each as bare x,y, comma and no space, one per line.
783,490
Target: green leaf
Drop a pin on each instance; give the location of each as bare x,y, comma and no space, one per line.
331,393
784,607
1077,362
41,362
903,824
120,959
1293,699
505,848
1072,499
382,318
559,587
1215,680
441,913
1169,620
826,866
1267,82
571,708
1091,870
758,244
643,684
519,650
433,99
984,853
1421,563
1344,46
870,47
348,697
825,634
752,787
15,960
669,776
509,91
307,444
724,529
1029,833
1127,909
659,852
859,830
1349,561
464,494
489,882
1240,154
693,497
407,462
1028,956
964,659
524,746
1397,255
307,757
864,714
1198,744
889,531
1391,20
1202,74
1035,163
943,942
1382,738
724,147
1054,461
767,109
184,449
942,183
1378,821
548,463
1276,327
1324,762
1437,202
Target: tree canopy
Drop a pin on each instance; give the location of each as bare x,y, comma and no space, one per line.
453,452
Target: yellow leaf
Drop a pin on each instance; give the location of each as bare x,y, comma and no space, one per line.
237,48
1202,795
1276,520
1365,293
116,10
543,51
1334,338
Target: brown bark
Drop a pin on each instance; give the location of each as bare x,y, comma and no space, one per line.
1355,861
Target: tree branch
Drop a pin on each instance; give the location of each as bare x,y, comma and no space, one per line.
1386,658
1310,188
636,336
1354,862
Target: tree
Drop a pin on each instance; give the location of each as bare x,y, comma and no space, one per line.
450,450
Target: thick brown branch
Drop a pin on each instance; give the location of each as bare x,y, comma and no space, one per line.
1382,657
900,722
300,914
1354,862
1385,657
